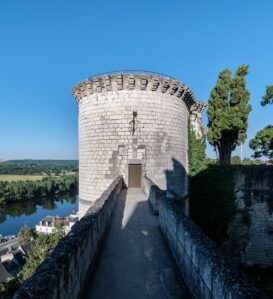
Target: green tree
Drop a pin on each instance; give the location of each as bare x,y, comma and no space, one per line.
228,111
36,255
26,190
262,143
38,252
268,97
11,286
26,234
2,290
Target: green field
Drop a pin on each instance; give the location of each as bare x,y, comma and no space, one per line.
15,177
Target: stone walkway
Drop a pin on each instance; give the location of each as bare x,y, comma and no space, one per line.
135,262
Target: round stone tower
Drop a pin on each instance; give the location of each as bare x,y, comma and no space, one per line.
133,124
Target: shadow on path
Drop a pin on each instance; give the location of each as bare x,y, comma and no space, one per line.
135,261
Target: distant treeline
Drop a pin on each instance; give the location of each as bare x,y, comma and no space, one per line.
35,167
48,186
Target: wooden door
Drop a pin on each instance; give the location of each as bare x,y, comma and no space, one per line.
134,175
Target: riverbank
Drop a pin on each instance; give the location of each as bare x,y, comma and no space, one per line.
16,215
15,191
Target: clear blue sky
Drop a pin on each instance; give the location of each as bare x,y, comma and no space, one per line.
48,46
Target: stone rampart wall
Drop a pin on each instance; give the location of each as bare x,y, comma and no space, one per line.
155,194
206,271
251,230
63,274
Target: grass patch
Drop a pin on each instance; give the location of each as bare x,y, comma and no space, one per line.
16,178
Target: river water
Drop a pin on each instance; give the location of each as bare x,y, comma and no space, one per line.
14,216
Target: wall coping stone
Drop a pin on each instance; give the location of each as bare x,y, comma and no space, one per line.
63,273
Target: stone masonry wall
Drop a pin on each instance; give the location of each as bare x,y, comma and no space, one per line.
132,119
208,273
251,230
63,273
155,194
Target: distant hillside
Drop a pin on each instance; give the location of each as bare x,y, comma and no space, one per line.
38,167
33,161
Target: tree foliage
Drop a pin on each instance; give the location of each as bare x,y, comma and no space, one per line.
268,97
2,290
228,111
197,153
43,245
26,190
26,235
262,143
36,167
40,249
8,289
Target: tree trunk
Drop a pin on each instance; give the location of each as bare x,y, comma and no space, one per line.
224,154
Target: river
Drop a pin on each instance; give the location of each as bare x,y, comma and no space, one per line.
14,216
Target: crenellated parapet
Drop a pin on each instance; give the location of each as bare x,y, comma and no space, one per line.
145,81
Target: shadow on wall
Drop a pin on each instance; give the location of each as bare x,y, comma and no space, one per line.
177,187
177,180
212,204
225,195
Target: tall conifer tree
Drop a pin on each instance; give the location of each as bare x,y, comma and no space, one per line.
262,143
228,111
268,97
